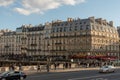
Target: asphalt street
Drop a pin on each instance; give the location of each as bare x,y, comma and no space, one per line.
75,75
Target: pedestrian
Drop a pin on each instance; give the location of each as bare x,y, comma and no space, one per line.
63,65
38,68
47,66
11,68
20,67
55,65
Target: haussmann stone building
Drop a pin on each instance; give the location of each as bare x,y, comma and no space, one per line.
76,39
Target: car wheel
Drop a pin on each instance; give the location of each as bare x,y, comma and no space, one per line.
21,78
3,79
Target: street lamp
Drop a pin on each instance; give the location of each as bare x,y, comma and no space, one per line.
118,59
88,54
118,55
48,59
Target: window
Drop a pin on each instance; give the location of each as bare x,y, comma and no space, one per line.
70,29
87,27
57,30
81,28
53,30
60,29
58,24
80,22
61,24
75,28
84,22
101,28
76,23
65,29
66,24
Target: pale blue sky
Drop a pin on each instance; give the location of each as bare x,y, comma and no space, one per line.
14,13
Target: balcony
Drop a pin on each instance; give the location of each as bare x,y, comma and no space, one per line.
24,48
33,49
71,36
58,43
33,44
24,38
6,46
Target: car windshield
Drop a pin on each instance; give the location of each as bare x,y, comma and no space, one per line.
105,67
4,73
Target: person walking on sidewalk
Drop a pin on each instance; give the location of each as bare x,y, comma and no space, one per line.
48,68
55,65
20,67
11,67
38,68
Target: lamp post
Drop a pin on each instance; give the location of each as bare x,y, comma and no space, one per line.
48,59
118,58
88,54
48,68
118,55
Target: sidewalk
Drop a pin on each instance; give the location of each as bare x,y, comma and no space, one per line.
60,70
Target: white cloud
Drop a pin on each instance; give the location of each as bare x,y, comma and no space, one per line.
6,2
39,6
22,11
72,2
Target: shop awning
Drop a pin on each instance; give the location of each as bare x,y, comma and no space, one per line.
93,57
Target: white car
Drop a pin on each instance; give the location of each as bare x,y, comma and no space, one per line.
106,69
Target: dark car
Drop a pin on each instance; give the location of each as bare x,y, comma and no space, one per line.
13,75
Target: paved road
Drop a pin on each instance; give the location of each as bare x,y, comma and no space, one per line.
76,75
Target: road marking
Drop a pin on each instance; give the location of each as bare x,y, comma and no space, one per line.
92,77
99,79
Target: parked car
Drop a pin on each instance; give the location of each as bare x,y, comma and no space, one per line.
13,75
106,69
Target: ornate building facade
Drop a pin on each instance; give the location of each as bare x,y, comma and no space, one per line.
80,37
85,37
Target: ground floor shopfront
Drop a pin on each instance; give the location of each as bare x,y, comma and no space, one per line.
96,58
81,58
